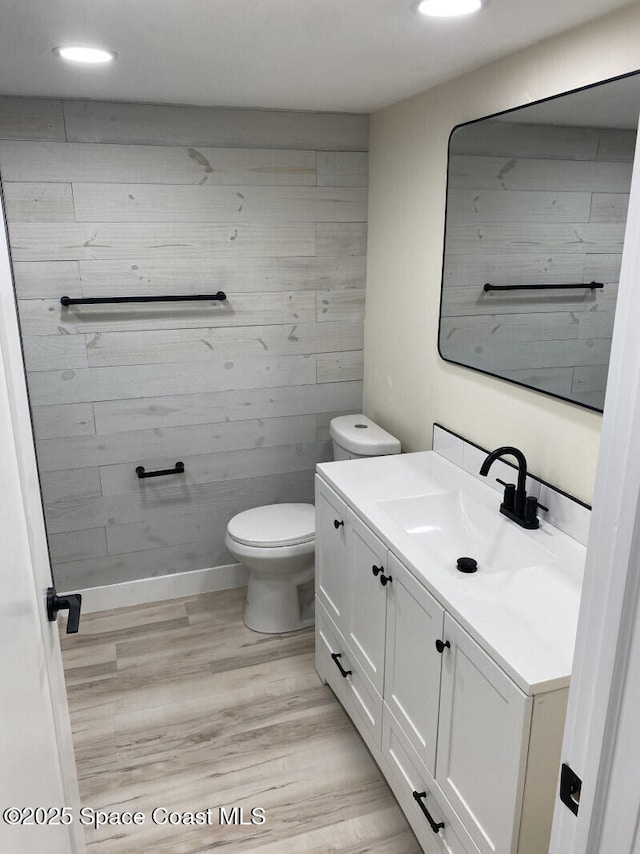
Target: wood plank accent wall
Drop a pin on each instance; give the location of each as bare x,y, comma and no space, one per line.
122,199
535,204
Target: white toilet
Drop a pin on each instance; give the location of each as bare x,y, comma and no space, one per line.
277,542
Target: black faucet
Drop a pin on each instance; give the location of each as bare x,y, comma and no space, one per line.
516,505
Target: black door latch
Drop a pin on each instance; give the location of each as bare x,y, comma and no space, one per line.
570,788
72,602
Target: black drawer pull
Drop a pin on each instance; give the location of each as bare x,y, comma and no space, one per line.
436,826
442,645
179,469
385,579
337,524
376,570
335,656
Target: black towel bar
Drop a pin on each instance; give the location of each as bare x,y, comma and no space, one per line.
102,300
179,469
592,285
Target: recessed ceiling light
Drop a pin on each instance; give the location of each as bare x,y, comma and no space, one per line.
450,8
92,55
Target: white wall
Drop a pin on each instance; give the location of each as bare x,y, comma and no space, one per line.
407,385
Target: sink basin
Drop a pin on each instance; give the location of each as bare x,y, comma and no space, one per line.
454,524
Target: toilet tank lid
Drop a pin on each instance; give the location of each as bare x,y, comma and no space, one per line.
360,435
274,525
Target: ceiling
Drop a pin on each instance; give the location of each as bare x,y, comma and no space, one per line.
342,55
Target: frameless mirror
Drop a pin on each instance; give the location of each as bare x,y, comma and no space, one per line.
536,209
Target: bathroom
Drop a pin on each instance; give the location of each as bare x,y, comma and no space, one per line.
401,383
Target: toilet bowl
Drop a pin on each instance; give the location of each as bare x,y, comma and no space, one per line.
277,542
277,545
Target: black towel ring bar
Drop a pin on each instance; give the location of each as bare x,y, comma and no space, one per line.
592,285
103,300
179,469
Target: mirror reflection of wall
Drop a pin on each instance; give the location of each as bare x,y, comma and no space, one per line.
539,196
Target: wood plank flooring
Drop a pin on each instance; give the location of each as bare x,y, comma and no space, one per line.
179,705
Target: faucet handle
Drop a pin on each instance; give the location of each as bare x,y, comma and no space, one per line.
509,499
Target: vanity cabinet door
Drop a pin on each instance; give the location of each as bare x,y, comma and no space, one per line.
412,669
333,554
482,742
371,581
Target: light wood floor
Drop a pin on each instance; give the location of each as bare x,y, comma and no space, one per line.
179,705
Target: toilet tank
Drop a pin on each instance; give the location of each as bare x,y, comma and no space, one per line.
356,436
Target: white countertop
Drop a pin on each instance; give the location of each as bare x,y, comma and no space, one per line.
525,618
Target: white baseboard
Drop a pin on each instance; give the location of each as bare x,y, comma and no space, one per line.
162,587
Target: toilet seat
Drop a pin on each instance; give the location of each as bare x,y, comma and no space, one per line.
274,526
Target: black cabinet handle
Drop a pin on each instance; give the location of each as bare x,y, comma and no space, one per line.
442,645
337,524
335,656
376,570
385,579
436,826
179,469
72,602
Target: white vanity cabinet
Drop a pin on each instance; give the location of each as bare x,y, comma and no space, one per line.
471,758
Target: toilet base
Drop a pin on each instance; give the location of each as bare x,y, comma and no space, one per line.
279,604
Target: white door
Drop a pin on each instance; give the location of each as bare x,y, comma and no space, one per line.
601,733
36,754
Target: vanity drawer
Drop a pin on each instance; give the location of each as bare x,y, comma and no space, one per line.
356,693
407,775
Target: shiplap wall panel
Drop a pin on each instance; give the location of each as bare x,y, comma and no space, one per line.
515,139
539,217
145,564
46,279
337,238
67,419
244,275
155,501
91,121
39,241
49,317
343,169
152,164
71,483
484,206
155,203
194,345
31,118
569,352
78,545
131,381
506,237
269,207
499,173
557,380
161,448
340,367
224,466
519,268
609,207
37,202
485,330
617,145
339,305
475,302
234,405
51,352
